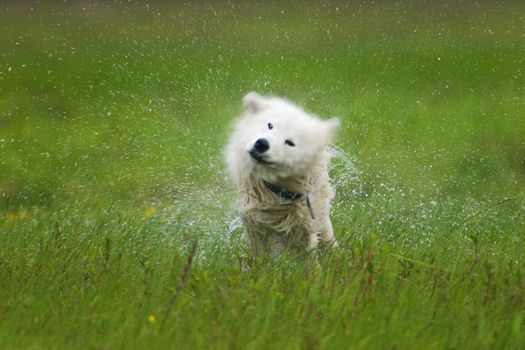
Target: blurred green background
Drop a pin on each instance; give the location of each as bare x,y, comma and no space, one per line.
129,99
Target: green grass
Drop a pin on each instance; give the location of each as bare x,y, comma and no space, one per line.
112,124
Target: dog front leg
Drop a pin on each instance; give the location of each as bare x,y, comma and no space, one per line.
313,240
327,234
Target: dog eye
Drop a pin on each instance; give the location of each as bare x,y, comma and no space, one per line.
270,126
289,143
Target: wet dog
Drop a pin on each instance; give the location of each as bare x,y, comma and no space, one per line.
278,157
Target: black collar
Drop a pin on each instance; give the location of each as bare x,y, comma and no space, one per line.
281,191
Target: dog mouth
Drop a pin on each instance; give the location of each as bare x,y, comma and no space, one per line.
258,158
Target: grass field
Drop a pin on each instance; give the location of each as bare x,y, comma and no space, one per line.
112,122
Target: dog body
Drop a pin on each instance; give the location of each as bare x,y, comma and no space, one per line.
278,159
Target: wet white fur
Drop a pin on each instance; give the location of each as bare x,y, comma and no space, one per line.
272,223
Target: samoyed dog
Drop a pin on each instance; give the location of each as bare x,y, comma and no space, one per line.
278,158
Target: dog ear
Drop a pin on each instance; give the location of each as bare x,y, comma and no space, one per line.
332,126
253,102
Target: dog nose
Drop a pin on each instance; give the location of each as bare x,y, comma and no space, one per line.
261,145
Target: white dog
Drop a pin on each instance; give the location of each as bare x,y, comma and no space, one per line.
278,158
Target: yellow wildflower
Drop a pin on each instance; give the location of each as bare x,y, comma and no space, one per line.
15,215
150,211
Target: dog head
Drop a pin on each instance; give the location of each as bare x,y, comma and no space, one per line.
278,139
